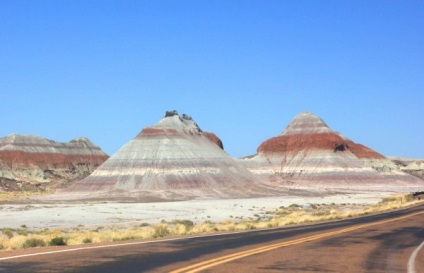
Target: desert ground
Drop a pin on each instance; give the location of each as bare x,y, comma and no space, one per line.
91,214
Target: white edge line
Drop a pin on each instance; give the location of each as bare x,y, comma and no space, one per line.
411,261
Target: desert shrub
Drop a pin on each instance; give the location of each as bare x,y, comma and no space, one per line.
160,231
408,198
33,242
388,199
249,226
314,206
321,213
22,232
395,200
16,242
87,241
4,240
8,232
98,229
282,212
124,238
57,241
187,223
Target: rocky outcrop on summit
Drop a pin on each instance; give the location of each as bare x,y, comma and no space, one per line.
172,160
309,153
31,160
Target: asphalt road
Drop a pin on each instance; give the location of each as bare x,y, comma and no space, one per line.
380,243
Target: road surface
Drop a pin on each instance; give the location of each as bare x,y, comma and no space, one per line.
391,242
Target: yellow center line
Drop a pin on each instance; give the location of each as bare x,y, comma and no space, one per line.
231,257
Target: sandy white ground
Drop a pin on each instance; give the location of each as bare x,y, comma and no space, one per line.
92,215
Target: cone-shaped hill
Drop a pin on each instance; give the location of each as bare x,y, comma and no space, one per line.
309,153
171,160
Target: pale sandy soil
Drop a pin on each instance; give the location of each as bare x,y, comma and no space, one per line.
95,214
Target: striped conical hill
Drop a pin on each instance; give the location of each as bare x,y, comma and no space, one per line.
308,153
172,160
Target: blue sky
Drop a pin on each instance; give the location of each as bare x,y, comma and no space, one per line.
242,69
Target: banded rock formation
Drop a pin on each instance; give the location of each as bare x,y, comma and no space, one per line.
172,160
31,160
412,166
309,153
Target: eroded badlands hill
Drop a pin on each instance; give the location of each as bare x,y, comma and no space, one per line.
173,159
30,161
309,153
412,166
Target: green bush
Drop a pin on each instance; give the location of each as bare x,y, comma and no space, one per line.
87,241
57,241
33,242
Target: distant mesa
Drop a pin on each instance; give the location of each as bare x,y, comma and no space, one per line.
308,153
28,162
172,160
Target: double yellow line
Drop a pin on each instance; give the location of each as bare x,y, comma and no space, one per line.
228,258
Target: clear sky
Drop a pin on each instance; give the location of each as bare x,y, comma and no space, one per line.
242,69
